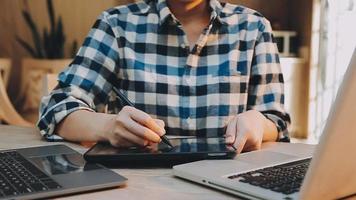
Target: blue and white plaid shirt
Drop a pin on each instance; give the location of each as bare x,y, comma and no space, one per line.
142,49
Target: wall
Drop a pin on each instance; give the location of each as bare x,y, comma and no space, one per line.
277,11
78,17
286,15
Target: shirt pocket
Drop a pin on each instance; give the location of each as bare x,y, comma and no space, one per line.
234,76
233,82
227,74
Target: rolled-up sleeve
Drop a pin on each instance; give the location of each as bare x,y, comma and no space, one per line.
266,86
86,83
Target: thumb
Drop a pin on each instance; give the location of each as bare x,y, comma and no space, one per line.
229,139
240,142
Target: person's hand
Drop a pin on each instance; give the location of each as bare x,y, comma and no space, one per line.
245,131
134,127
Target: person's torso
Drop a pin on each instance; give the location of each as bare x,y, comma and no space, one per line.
196,92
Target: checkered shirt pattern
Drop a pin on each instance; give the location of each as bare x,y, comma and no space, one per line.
142,49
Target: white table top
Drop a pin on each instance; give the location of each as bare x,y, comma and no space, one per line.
142,183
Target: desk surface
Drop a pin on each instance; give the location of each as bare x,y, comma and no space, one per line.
143,183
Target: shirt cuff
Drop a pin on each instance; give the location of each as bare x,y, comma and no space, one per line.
49,121
282,127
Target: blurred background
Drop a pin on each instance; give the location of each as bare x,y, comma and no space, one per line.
38,38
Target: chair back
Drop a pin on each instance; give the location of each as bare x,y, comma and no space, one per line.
5,68
33,74
8,113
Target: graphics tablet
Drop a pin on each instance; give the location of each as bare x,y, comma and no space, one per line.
184,150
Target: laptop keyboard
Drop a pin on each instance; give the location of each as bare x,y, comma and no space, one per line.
285,178
18,176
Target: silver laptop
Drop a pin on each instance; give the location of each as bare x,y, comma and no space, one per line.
286,171
41,172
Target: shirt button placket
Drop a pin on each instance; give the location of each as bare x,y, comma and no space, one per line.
186,97
186,48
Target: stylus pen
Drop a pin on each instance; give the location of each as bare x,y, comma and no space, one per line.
127,102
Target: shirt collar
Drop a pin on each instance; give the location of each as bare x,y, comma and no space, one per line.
217,10
165,13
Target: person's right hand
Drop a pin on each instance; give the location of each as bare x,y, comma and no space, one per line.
134,127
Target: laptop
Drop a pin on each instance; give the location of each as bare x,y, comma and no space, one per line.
47,171
293,171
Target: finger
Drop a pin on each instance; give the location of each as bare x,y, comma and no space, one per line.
153,147
230,134
231,147
132,138
240,142
141,131
160,123
146,120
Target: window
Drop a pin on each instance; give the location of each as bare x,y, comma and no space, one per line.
337,42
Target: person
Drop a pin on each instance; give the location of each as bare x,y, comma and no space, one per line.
192,67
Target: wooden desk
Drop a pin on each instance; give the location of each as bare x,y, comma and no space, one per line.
143,183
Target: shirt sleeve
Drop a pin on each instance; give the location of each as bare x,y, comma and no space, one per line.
266,86
86,83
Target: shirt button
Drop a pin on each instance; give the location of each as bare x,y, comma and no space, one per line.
192,91
199,49
189,81
183,46
189,120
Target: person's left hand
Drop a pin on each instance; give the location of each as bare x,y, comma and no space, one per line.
245,131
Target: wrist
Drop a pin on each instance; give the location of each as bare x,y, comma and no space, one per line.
268,128
270,133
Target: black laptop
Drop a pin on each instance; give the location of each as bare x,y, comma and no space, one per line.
48,171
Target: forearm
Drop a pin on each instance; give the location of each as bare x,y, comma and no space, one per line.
85,126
